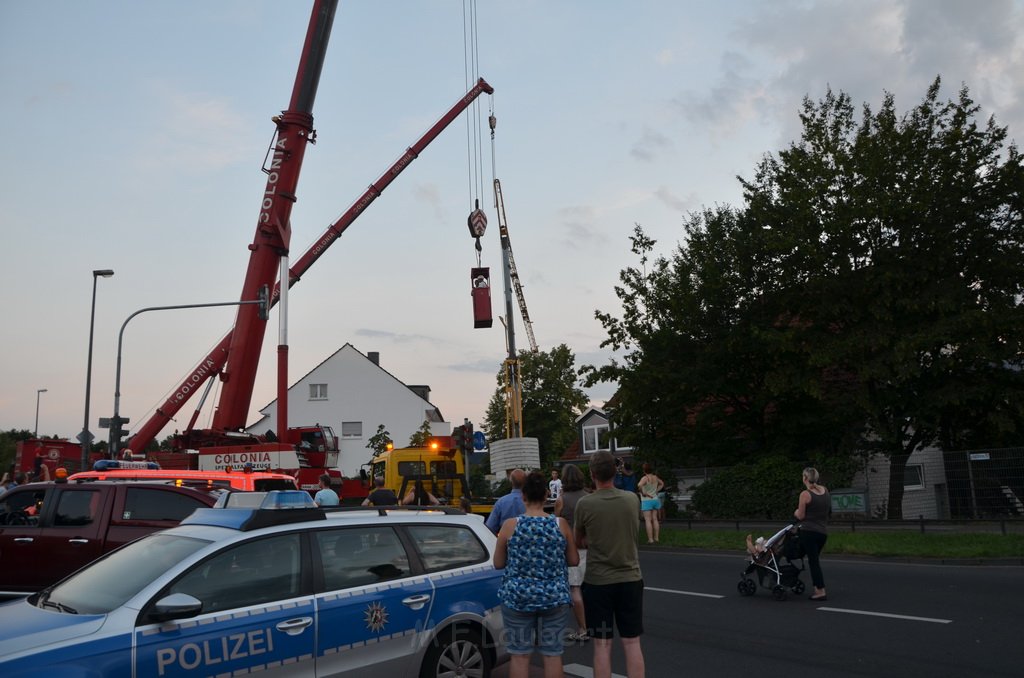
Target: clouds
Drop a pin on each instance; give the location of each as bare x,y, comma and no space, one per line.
651,144
734,101
398,337
196,131
681,205
865,49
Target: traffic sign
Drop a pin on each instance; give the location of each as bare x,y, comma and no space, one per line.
85,437
479,440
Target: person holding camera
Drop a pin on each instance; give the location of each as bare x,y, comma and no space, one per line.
625,479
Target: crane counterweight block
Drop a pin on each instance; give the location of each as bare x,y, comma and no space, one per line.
481,280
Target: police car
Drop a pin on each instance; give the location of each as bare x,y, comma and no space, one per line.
270,583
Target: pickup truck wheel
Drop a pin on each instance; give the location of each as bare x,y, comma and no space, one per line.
457,651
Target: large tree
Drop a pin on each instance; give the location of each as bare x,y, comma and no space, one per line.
552,399
871,285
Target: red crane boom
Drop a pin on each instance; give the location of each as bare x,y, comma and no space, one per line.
215,360
273,228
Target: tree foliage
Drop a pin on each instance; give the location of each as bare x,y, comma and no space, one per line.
421,436
867,297
378,442
552,399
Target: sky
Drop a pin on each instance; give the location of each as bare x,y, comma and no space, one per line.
136,133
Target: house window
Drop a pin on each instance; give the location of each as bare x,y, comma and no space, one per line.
318,391
595,438
351,429
913,477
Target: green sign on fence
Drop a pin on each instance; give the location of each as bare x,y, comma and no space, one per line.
849,501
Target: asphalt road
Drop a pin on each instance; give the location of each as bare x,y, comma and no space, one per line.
882,618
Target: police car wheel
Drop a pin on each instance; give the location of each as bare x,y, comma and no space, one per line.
457,651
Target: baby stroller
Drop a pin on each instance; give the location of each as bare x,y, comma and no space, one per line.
778,563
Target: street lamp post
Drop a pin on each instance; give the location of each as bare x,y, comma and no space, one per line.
85,437
35,431
116,422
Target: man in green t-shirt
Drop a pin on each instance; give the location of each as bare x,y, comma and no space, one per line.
606,524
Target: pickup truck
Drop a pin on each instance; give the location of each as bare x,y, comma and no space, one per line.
49,530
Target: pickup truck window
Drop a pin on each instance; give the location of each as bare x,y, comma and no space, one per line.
147,503
21,508
76,508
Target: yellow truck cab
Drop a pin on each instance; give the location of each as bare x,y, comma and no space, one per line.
438,464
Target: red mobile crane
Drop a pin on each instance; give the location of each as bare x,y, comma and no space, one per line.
235,358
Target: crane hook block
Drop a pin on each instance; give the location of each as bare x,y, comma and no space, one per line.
477,223
481,280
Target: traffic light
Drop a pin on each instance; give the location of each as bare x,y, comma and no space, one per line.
264,302
458,435
117,432
467,438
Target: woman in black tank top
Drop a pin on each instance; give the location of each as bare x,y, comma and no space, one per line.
812,511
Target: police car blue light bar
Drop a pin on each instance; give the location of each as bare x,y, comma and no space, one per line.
248,510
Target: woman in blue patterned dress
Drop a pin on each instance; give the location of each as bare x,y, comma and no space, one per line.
535,549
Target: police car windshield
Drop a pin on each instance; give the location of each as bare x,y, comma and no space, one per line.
111,581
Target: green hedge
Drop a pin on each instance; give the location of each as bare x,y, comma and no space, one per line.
764,490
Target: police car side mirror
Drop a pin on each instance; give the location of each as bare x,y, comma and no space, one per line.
175,606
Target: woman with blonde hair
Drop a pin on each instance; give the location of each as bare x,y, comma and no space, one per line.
649,487
812,511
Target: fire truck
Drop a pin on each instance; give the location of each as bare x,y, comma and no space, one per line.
308,451
31,454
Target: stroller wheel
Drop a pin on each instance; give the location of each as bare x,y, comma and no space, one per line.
798,588
746,587
779,592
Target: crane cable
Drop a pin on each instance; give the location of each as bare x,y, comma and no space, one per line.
474,146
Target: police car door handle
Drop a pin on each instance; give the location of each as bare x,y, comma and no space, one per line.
416,602
78,541
23,540
293,627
